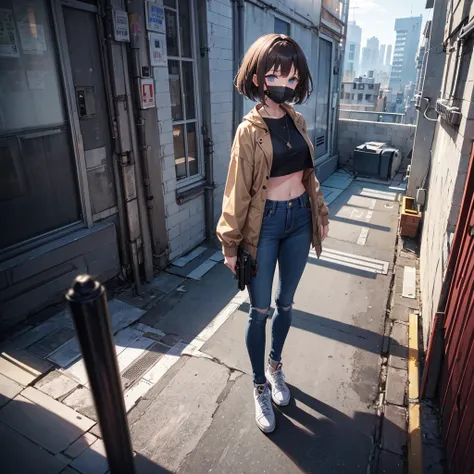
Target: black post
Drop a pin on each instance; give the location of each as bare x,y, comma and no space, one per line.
88,304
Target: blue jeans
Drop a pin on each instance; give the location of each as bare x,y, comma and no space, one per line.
285,237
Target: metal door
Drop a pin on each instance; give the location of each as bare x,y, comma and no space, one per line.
91,102
457,383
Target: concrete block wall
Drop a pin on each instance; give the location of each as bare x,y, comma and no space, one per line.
219,27
449,165
356,132
450,156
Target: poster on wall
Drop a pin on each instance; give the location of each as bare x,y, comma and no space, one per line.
32,38
8,39
155,17
158,55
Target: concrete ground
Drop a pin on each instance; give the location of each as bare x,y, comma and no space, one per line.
187,378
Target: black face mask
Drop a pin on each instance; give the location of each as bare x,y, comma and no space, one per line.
280,94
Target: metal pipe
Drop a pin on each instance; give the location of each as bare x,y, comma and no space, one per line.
88,303
467,30
141,134
119,142
207,125
123,249
145,230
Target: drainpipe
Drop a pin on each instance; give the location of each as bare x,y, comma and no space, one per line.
238,51
122,150
207,125
122,212
140,124
145,230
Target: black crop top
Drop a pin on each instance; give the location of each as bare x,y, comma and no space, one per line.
287,160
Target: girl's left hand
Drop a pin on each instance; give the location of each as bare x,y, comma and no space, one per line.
324,231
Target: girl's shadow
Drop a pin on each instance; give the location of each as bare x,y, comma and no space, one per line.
320,439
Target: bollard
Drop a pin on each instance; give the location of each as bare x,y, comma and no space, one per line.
88,303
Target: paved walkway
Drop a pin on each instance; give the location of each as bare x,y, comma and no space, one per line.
186,374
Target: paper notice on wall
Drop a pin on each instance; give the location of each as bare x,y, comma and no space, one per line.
8,39
32,38
36,80
158,56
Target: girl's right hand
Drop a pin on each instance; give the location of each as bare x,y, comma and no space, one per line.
230,263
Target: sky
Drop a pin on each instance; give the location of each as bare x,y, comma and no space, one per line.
377,17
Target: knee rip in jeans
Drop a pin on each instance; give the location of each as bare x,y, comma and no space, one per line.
262,311
284,307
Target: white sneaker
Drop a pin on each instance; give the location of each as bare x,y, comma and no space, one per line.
280,392
264,415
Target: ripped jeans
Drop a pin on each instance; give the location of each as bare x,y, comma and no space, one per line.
285,237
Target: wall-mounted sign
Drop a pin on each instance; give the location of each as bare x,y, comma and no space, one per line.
121,30
147,93
155,17
158,50
8,39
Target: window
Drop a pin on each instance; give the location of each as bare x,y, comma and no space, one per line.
352,48
348,96
371,87
183,85
361,87
352,96
282,27
360,97
38,180
354,85
368,96
351,56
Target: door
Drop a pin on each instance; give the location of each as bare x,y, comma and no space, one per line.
323,98
91,102
457,382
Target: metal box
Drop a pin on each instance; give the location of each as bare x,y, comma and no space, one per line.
376,160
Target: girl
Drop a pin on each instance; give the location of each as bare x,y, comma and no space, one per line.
273,206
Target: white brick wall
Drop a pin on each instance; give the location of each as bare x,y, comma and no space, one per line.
219,17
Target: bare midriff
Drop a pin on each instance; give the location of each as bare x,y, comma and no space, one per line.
284,188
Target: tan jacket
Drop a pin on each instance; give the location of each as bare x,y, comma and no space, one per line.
246,191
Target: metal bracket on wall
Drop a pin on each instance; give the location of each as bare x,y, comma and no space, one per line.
126,159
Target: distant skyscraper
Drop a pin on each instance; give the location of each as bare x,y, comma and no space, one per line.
370,55
388,57
406,46
381,62
352,53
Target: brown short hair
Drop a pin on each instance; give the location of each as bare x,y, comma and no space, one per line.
273,51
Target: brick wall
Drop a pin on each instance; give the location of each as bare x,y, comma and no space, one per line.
356,132
184,223
219,18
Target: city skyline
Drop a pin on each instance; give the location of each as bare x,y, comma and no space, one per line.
377,17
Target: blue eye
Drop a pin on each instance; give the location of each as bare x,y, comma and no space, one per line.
292,80
271,78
